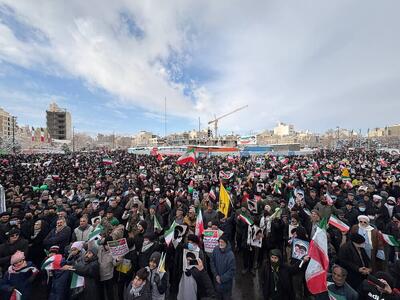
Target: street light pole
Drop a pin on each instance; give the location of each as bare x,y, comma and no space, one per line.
13,133
73,139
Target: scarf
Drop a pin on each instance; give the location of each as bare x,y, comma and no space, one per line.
35,233
390,209
366,233
136,291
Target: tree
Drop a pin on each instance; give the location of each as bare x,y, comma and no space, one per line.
66,149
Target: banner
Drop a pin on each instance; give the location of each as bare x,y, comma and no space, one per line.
118,248
210,240
3,207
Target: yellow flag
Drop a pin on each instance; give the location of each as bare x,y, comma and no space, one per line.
223,200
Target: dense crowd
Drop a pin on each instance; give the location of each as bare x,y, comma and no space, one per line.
65,211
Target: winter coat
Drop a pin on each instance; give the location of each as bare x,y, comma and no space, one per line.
60,239
145,293
158,290
21,280
82,234
106,264
284,288
36,253
59,285
90,271
223,265
205,288
7,249
351,261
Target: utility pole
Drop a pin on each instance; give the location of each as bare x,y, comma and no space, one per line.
165,117
13,133
73,139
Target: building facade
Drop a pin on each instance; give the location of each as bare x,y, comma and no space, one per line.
58,122
283,129
6,124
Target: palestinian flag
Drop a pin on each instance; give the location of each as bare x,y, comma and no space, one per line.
157,225
169,234
334,221
77,281
199,224
245,219
188,157
96,233
52,263
107,161
390,240
16,295
319,261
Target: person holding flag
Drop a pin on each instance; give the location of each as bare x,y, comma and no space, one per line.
19,276
158,277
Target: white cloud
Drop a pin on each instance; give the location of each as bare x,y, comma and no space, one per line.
316,64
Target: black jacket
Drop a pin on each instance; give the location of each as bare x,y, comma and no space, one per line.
7,250
351,261
89,270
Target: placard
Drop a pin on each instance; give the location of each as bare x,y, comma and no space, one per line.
188,257
210,240
299,248
118,248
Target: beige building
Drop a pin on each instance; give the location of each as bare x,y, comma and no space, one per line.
283,129
6,124
143,138
58,122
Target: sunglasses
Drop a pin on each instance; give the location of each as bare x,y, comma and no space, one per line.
363,222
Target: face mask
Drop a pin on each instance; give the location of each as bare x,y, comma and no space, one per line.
362,209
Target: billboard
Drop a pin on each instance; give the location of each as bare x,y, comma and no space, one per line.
247,140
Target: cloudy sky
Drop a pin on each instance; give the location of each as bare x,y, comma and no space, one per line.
316,64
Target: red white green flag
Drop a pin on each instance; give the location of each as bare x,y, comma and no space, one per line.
334,221
199,224
52,263
245,219
16,295
390,240
188,157
107,161
319,261
212,194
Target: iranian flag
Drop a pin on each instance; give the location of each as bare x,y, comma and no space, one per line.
33,134
157,225
107,161
190,187
230,158
329,199
199,224
334,221
245,219
96,233
160,157
169,234
390,240
212,194
77,281
52,263
188,157
41,135
16,295
319,261
283,160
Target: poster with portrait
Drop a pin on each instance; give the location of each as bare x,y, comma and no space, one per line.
255,236
300,248
189,258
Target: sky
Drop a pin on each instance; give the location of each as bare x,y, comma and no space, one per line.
114,64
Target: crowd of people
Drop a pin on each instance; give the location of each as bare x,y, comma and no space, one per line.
63,213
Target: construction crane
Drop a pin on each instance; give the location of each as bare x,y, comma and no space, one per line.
215,121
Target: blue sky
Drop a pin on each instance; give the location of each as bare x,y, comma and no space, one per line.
317,65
